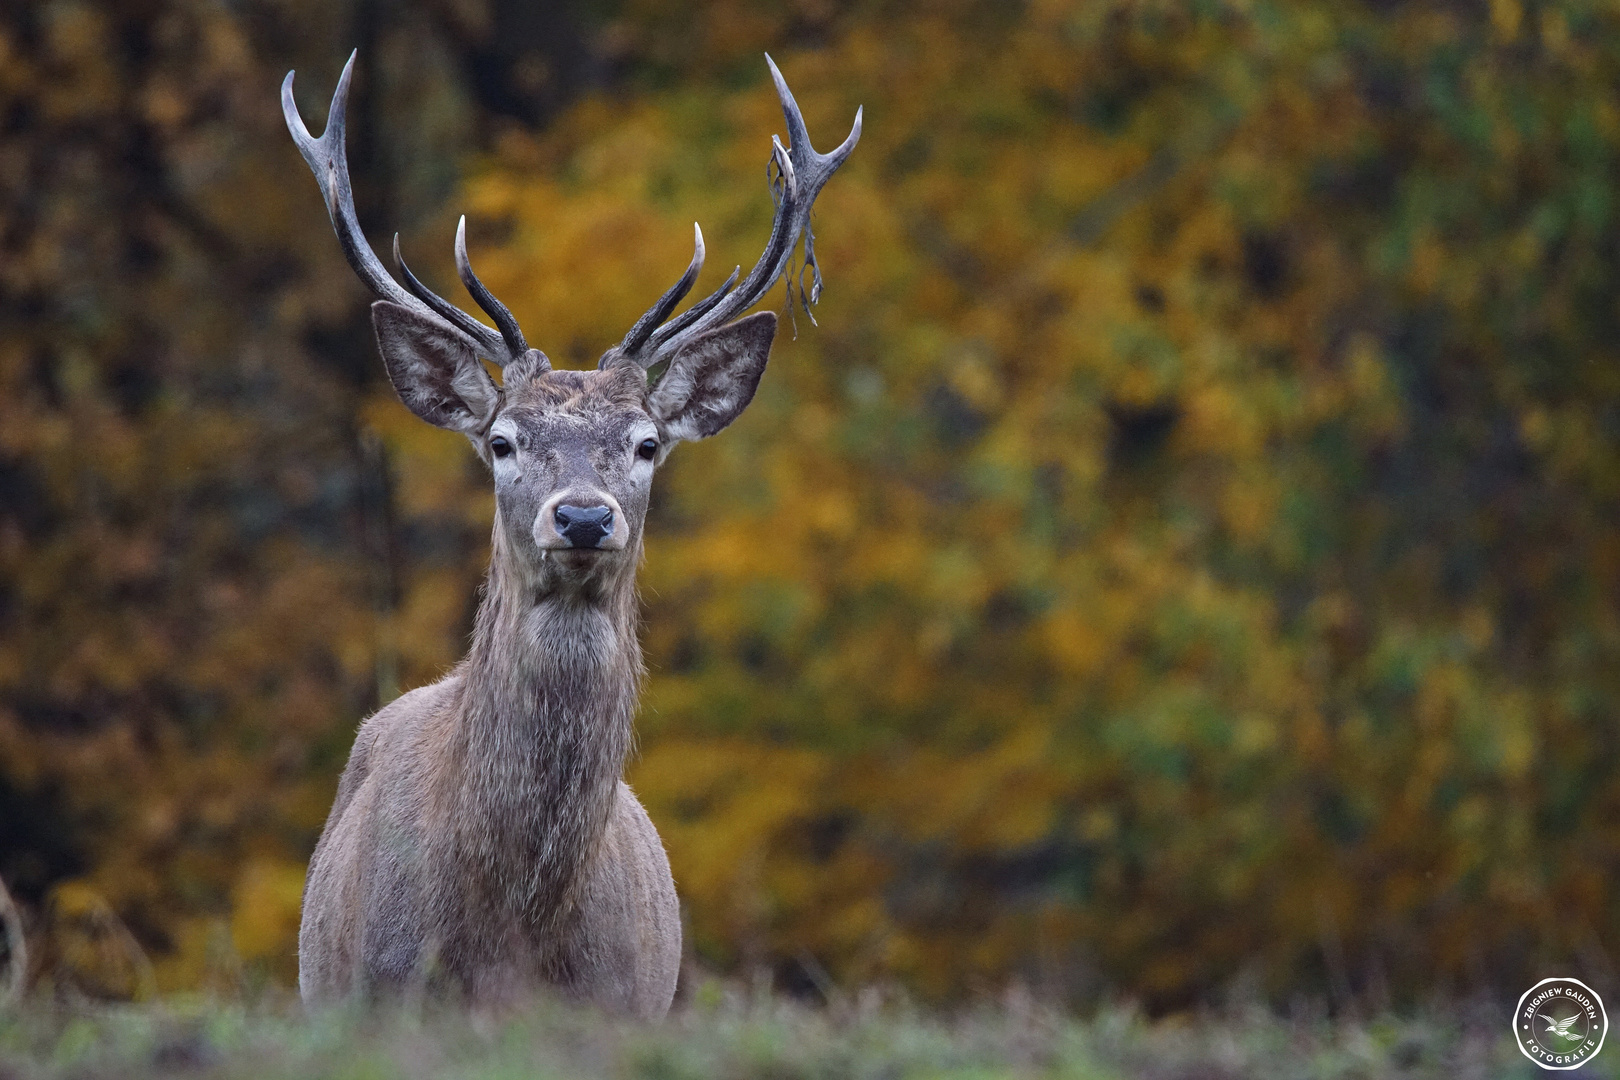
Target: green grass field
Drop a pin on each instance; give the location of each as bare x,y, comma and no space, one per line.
724,1034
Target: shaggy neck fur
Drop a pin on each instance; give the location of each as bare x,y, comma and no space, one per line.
549,694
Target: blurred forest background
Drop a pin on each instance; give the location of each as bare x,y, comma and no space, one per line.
1184,555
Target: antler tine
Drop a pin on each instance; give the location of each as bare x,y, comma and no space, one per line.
809,172
329,162
801,174
814,171
758,281
486,299
639,333
814,168
695,312
448,311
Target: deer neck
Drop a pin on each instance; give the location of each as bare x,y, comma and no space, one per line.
549,696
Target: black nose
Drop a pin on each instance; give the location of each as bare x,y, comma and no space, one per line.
584,526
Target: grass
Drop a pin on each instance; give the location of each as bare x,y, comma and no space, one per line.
722,1034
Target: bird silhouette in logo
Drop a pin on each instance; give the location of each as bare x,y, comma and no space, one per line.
1561,1027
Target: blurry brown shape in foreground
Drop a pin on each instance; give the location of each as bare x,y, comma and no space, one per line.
14,961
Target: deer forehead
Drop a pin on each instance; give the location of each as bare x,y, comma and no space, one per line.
568,389
571,406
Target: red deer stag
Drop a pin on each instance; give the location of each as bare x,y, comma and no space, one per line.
482,841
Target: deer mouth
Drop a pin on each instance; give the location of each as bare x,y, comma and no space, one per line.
578,558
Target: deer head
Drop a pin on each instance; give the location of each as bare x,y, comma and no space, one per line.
573,452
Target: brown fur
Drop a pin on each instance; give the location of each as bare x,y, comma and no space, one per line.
482,839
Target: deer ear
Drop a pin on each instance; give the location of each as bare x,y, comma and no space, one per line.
713,378
434,369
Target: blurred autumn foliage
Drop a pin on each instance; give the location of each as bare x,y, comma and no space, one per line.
1185,551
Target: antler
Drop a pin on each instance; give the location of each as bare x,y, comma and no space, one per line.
800,173
329,162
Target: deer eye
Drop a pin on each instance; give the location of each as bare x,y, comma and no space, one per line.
647,450
499,446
